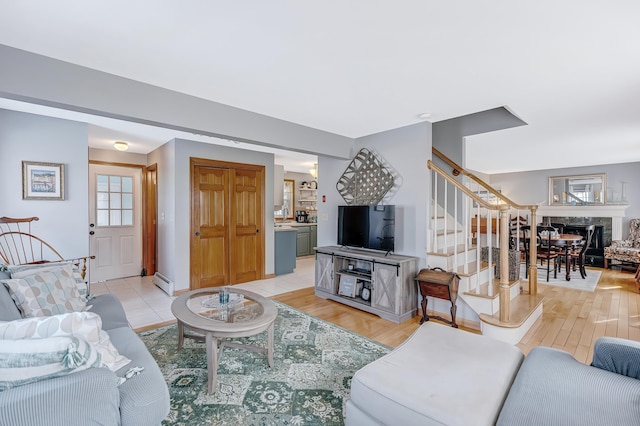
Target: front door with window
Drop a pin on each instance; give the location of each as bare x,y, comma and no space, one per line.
115,217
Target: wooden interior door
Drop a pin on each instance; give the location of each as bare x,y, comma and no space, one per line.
227,246
210,239
246,252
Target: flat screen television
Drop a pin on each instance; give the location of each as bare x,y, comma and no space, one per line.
371,227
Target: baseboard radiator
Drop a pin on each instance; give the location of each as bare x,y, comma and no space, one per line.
164,283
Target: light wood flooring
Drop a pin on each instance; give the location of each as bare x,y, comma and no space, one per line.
572,320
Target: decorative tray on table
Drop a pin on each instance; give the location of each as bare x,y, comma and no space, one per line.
214,301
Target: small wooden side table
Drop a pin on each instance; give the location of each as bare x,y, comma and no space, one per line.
441,284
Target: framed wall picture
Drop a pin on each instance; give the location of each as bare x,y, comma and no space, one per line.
42,181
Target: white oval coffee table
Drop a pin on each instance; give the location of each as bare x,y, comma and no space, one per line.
254,314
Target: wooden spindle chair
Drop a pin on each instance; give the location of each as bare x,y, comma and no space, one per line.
18,246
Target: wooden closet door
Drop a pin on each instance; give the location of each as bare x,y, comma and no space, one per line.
246,219
210,242
227,243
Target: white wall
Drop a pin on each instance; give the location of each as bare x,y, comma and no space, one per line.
27,137
174,204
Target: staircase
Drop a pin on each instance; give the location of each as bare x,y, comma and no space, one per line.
470,234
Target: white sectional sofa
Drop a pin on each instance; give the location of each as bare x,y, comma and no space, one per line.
445,376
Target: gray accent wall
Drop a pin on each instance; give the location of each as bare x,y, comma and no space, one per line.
405,151
28,137
38,79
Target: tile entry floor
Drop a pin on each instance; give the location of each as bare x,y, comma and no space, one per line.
147,305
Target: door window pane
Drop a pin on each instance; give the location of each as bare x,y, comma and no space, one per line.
127,184
114,184
114,200
127,201
114,218
103,200
103,217
127,217
103,183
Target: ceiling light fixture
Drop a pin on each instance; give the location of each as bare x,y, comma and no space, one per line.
314,171
424,115
121,146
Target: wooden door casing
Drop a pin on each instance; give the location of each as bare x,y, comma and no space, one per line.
227,246
149,223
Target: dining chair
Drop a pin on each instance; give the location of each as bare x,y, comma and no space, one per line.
543,249
515,232
525,235
579,250
548,250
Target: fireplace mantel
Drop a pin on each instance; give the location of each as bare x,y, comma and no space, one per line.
615,211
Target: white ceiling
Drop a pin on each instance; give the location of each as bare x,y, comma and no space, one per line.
570,68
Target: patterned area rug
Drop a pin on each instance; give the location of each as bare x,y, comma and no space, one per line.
576,282
308,385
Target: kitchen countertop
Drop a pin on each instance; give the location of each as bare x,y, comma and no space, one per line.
292,224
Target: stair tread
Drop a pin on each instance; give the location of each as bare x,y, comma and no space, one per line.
449,251
471,268
521,309
440,232
484,289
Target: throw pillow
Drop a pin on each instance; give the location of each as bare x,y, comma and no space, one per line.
30,360
85,325
45,293
66,268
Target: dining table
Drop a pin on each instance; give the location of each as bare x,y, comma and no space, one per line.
565,242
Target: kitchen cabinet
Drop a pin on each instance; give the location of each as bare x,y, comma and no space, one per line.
285,250
306,239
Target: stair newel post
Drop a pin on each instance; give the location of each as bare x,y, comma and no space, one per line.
533,254
505,299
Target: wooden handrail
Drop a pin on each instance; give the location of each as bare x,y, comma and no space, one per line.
462,188
457,169
503,206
